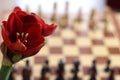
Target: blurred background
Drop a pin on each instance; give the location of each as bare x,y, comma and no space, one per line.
84,44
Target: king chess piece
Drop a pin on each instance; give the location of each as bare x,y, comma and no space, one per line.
78,17
45,71
92,23
64,20
60,70
27,71
54,14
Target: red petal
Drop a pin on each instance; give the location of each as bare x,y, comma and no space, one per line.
39,19
14,23
33,50
21,14
29,19
34,34
18,47
5,25
17,8
48,29
5,37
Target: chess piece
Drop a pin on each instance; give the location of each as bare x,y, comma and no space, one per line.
27,9
92,76
92,20
105,14
39,11
12,74
45,71
107,69
54,15
60,70
79,16
75,70
93,69
65,18
111,75
27,71
92,15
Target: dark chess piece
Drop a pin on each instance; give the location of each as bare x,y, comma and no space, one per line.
27,71
111,75
45,70
107,69
60,70
93,69
75,70
92,76
13,71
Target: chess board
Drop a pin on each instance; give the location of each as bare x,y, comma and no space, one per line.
78,42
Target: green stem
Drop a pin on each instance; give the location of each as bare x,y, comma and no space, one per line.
5,72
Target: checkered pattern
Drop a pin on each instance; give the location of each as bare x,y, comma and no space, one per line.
78,43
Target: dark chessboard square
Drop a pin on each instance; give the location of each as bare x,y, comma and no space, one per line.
19,70
97,42
40,59
101,60
53,70
86,50
108,34
70,59
82,33
103,78
86,70
55,49
69,41
57,33
36,78
114,50
116,70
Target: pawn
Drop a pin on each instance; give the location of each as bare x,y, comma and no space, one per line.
60,70
107,69
45,71
13,71
92,76
93,69
75,70
27,71
111,75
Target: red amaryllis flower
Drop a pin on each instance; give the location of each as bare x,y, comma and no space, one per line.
24,33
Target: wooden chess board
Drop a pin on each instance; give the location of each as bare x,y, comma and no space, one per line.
78,43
